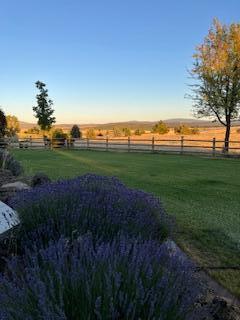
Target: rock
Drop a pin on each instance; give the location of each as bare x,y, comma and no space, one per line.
17,186
8,190
8,218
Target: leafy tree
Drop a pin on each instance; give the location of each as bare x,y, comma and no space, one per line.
216,94
43,110
13,125
3,124
160,128
117,132
126,132
91,134
139,132
75,132
59,134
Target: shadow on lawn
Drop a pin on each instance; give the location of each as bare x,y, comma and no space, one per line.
217,250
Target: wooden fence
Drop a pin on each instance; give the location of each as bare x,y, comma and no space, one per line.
181,145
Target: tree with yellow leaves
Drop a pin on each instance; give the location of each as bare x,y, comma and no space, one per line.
13,125
216,94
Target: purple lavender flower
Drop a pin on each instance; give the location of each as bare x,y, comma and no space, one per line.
89,279
100,205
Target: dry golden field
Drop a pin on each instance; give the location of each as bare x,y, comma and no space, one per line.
205,137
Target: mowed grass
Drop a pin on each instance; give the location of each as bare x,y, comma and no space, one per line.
202,194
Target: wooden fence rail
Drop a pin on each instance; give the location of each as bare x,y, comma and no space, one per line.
154,145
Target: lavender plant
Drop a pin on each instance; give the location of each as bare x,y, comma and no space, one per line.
128,278
101,205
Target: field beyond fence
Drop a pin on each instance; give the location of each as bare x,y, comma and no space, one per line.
180,145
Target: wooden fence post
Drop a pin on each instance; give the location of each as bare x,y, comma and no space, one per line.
182,144
107,143
87,143
214,147
153,144
129,144
30,142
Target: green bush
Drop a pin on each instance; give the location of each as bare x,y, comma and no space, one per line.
160,128
59,134
91,134
117,132
185,130
139,132
126,132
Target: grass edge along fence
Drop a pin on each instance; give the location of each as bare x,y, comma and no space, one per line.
182,145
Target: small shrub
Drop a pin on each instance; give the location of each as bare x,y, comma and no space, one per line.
160,128
7,161
195,131
117,132
139,132
40,179
59,134
91,134
185,130
126,132
101,205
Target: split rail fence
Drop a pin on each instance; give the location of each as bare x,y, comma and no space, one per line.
214,147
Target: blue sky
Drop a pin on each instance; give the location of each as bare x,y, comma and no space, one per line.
103,60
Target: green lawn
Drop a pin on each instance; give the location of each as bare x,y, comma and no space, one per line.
202,194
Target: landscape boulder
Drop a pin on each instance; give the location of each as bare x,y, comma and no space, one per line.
8,190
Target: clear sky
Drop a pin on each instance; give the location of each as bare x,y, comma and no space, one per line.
103,60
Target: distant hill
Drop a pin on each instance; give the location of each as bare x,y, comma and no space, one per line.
133,125
146,125
26,125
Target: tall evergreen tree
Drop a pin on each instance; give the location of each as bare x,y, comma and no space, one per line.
43,110
75,132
